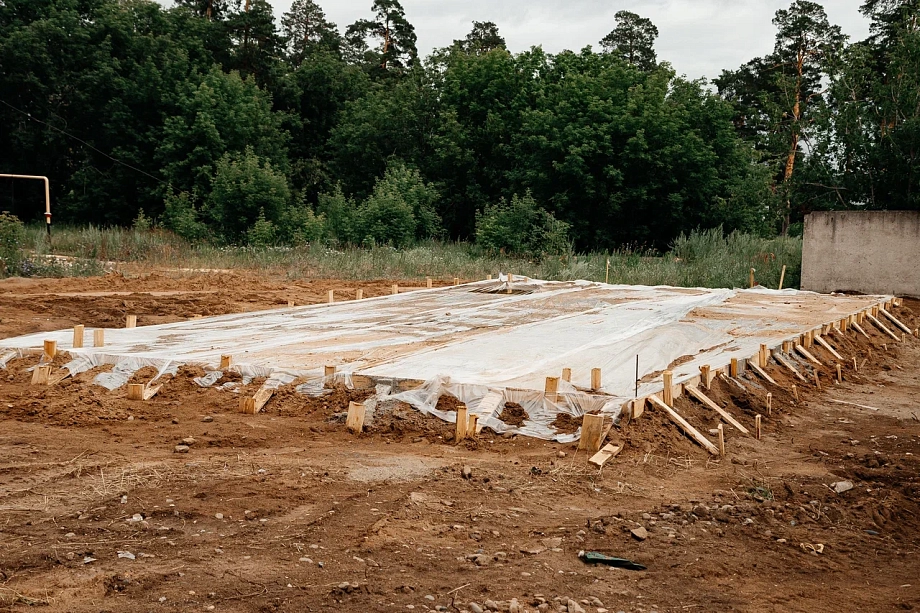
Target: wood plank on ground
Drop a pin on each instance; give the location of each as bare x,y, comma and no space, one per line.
609,451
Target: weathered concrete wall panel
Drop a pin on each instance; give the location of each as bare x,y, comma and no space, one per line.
874,252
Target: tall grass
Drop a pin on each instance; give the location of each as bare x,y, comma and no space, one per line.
699,259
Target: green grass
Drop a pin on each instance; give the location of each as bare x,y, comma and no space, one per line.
701,259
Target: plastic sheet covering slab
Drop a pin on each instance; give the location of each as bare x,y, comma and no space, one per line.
485,343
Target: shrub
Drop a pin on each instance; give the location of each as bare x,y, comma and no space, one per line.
141,223
339,214
12,240
398,212
300,225
262,233
521,227
243,187
407,184
385,218
182,217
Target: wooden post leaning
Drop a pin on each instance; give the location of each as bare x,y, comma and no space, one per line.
685,426
592,433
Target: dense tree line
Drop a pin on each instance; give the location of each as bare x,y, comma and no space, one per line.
223,124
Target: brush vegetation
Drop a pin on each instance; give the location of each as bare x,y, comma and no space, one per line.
704,258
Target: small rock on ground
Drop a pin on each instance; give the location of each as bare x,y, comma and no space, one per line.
640,533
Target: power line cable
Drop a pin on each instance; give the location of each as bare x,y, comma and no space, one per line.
76,138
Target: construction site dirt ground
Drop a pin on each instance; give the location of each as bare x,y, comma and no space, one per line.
288,511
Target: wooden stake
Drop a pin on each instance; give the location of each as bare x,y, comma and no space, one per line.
804,352
855,366
355,419
733,369
706,401
359,294
820,340
721,440
394,289
50,350
752,277
883,328
329,374
131,321
462,424
456,281
757,426
135,391
706,375
685,426
41,374
667,394
760,371
78,336
787,346
471,426
98,337
428,282
763,356
839,373
795,392
595,379
769,403
782,277
859,329
638,407
785,362
290,303
330,296
552,387
225,361
567,374
592,432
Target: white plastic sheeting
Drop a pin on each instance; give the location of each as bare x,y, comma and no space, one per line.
478,342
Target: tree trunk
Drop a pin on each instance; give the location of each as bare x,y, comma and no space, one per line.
386,43
794,141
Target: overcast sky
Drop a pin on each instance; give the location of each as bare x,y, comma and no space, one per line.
699,37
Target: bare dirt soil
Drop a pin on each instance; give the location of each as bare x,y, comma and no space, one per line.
287,511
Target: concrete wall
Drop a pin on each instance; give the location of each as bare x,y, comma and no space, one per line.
873,252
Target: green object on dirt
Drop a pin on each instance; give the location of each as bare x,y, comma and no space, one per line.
593,557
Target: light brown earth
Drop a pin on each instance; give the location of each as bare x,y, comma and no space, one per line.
286,511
